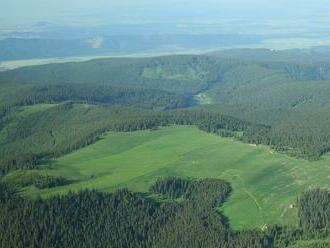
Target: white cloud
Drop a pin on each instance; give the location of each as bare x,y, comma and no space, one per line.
96,42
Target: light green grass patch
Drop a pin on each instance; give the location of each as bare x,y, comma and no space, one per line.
265,183
27,110
159,72
21,178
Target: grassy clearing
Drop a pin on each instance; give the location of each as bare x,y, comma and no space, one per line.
27,110
21,178
160,73
265,183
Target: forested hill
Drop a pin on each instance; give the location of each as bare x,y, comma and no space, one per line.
290,98
172,73
223,79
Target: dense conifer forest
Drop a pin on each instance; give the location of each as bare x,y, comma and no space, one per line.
261,92
127,219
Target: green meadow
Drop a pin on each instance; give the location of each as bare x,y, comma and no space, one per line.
265,184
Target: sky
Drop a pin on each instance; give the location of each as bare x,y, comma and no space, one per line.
281,23
20,12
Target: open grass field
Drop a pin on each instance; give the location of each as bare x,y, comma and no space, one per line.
265,183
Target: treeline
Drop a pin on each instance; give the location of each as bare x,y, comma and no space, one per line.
172,187
302,133
305,134
307,138
314,209
46,182
126,219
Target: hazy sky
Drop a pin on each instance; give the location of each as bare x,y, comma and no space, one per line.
106,11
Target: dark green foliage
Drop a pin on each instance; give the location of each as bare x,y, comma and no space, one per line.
198,210
206,193
197,224
85,219
122,219
184,74
6,194
314,209
126,219
171,187
277,87
282,237
257,134
46,182
152,99
314,217
304,134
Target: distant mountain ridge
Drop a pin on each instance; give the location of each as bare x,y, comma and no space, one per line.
38,48
303,56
